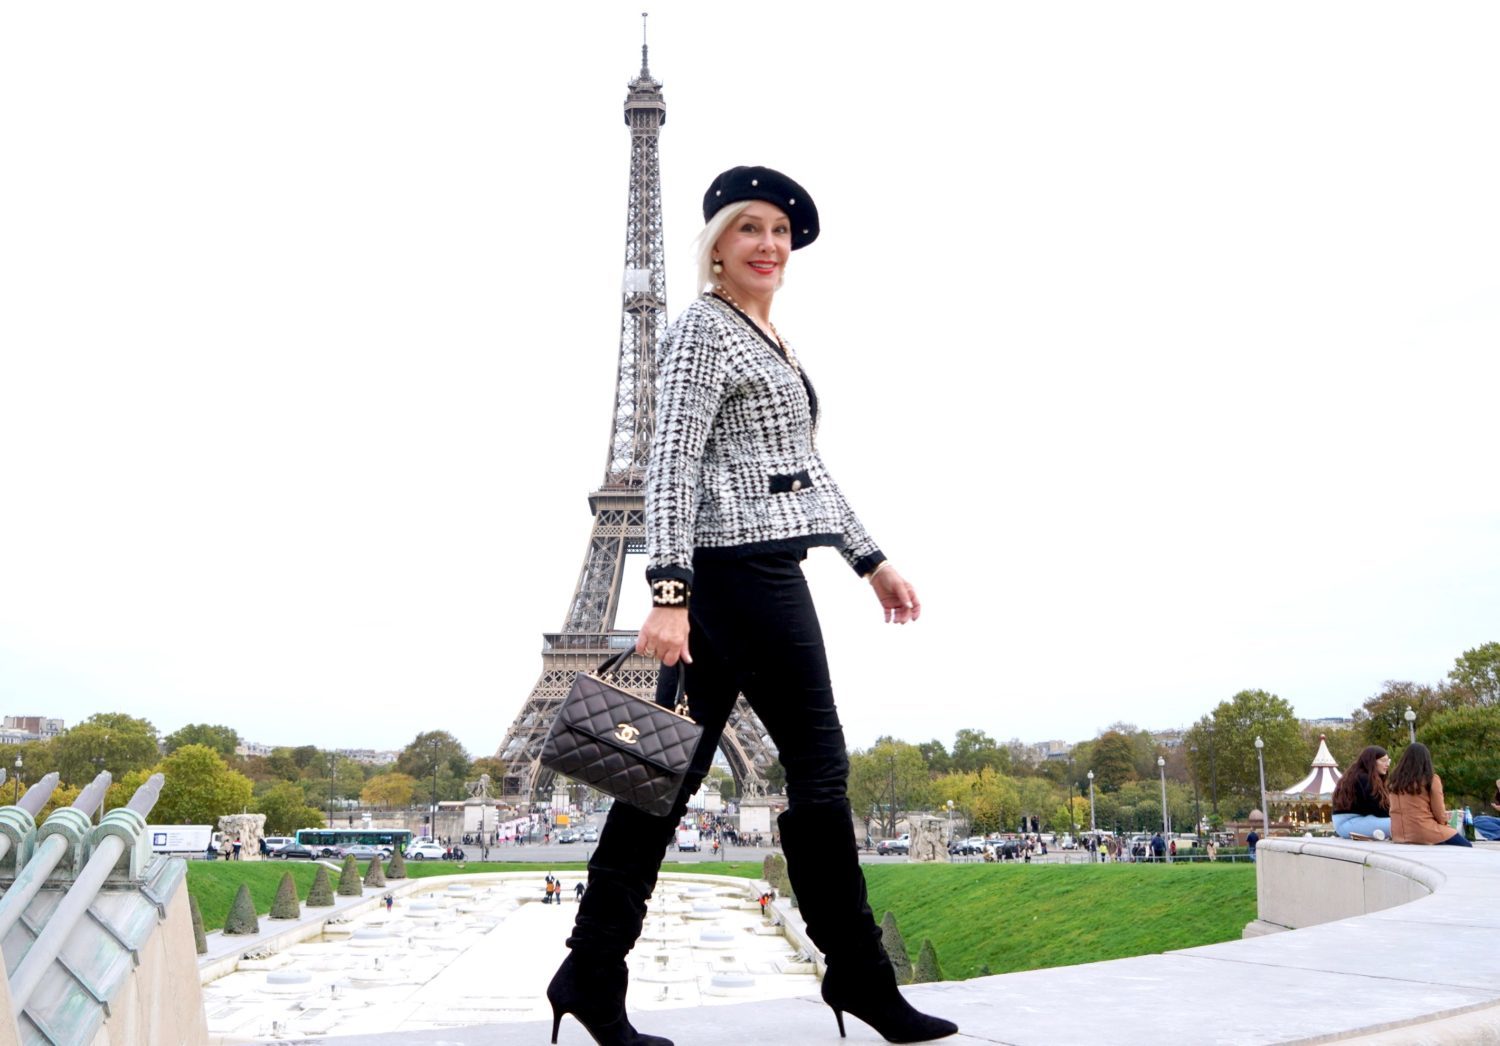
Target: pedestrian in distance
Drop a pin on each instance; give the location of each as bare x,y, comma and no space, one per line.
736,494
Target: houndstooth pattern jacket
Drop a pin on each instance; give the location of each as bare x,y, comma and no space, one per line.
733,461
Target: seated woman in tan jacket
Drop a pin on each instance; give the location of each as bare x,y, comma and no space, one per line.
1417,812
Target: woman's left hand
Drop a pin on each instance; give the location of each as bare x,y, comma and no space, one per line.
897,598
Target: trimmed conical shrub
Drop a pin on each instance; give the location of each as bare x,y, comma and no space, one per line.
397,868
286,906
927,969
895,947
321,894
768,868
200,940
242,914
374,877
349,884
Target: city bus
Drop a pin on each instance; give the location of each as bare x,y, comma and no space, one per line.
319,840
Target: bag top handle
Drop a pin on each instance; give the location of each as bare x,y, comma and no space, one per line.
610,665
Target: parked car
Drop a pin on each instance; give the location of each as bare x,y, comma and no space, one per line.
424,852
293,851
276,842
895,846
974,844
367,852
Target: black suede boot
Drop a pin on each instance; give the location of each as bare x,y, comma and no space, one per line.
592,989
591,982
823,865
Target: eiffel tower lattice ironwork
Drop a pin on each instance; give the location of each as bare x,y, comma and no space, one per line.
588,634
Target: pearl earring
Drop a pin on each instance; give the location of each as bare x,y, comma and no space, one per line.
717,267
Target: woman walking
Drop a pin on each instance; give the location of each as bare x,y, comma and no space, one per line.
736,494
1417,811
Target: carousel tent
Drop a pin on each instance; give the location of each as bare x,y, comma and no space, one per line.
1310,800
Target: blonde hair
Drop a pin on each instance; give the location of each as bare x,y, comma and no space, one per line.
704,244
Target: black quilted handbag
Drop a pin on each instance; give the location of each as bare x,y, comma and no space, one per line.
626,746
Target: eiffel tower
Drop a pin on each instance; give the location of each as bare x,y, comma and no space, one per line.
588,634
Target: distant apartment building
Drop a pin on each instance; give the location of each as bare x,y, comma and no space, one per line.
253,748
1168,738
21,729
1329,722
369,756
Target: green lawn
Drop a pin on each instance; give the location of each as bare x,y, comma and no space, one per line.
1026,917
999,918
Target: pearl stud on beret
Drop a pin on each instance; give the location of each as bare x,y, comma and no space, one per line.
762,183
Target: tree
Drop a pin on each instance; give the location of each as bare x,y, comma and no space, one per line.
285,810
221,739
107,741
199,788
286,905
974,750
936,755
989,801
374,875
895,948
350,884
927,970
241,918
892,776
1381,720
1225,743
1478,671
281,764
321,894
1464,742
386,790
1114,761
435,750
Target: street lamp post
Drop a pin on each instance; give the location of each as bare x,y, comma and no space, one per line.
332,760
1197,807
950,822
1092,829
433,824
1411,724
1265,813
1161,766
1213,769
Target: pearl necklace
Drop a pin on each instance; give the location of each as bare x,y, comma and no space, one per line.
722,293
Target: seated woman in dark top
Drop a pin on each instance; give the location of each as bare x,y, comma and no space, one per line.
1360,803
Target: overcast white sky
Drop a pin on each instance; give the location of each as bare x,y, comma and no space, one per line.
1157,346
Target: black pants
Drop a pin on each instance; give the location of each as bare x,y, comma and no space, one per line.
754,630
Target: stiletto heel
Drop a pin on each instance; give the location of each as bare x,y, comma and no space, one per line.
824,868
594,993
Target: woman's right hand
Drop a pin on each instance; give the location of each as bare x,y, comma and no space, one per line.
664,635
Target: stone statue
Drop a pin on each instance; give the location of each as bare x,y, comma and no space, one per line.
927,840
246,829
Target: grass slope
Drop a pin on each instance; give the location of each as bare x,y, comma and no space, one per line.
214,883
1027,917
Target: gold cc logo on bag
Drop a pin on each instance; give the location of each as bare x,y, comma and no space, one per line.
627,733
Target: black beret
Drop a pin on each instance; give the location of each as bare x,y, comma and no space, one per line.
761,183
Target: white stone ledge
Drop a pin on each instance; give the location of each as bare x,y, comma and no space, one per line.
1423,971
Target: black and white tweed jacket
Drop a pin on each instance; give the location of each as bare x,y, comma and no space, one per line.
733,460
